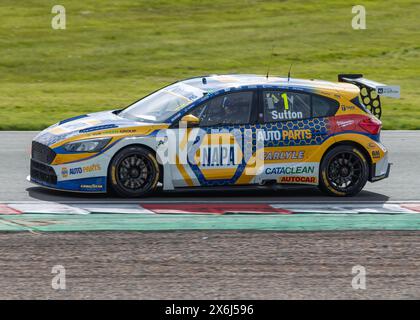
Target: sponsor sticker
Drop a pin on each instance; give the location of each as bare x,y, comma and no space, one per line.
219,155
119,131
74,171
345,108
376,154
298,180
65,172
371,145
285,115
97,128
293,170
278,135
389,91
91,186
284,155
92,167
345,123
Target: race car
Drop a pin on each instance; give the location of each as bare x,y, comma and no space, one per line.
223,130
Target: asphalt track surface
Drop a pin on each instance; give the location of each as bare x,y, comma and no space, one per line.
212,264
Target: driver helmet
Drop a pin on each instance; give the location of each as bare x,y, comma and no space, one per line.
228,105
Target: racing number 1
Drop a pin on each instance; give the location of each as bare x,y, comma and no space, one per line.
286,102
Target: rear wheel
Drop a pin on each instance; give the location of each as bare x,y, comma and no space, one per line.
344,171
133,172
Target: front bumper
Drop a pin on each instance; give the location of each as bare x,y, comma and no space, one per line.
58,177
60,187
43,173
87,186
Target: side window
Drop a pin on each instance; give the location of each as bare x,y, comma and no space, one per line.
232,108
323,107
199,111
284,106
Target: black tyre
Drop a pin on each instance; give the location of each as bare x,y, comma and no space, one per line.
133,172
344,171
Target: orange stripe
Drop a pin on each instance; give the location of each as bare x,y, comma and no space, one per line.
183,172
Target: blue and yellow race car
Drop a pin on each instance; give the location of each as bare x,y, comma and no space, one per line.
223,130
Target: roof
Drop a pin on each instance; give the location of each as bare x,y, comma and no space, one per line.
218,82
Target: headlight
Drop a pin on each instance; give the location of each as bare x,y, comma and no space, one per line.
93,145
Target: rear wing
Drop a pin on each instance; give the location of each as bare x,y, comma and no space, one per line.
370,91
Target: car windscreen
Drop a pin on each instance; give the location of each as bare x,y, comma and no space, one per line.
162,104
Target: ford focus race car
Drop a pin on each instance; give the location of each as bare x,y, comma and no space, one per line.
223,130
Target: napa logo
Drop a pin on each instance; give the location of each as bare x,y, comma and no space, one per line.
64,172
219,155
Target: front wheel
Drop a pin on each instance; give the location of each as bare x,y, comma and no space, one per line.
133,172
344,171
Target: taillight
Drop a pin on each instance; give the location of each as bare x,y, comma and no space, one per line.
371,125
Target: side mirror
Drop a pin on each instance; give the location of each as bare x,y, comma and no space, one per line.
190,120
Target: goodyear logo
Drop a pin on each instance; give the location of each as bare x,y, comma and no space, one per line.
91,186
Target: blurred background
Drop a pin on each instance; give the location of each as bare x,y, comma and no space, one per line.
114,52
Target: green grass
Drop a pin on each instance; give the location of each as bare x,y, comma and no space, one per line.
114,52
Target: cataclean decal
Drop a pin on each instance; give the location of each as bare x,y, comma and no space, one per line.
291,170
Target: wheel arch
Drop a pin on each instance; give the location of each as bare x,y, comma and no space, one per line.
360,147
144,146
